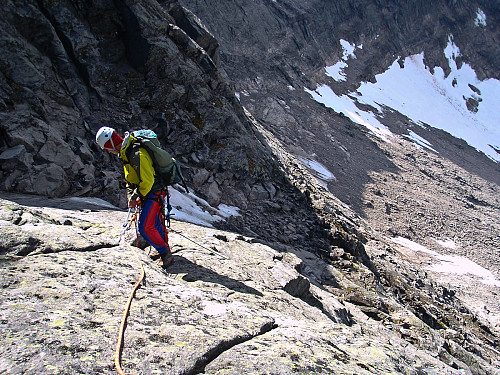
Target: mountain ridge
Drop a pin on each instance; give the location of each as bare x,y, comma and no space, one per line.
326,253
369,173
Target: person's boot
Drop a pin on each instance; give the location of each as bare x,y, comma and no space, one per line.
154,254
166,258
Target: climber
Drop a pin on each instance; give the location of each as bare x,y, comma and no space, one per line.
143,190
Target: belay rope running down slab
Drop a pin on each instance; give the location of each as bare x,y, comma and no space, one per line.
126,226
119,344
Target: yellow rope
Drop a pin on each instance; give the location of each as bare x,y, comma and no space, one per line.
119,345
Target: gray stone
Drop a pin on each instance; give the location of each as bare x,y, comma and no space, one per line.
15,157
258,192
49,180
214,194
270,189
227,303
9,180
200,177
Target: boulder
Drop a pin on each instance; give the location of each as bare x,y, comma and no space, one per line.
16,158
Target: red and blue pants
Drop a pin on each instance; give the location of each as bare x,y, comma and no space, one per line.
151,224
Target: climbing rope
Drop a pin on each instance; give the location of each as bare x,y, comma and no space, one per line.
119,344
126,226
212,251
167,216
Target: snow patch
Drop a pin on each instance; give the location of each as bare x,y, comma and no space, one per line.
451,263
227,211
192,209
348,49
337,71
461,266
346,105
449,244
438,101
409,244
459,103
318,170
419,141
480,18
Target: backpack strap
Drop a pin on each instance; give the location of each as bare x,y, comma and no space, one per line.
135,144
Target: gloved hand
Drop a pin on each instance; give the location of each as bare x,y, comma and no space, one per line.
134,202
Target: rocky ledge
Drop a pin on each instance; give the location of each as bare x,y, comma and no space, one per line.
228,304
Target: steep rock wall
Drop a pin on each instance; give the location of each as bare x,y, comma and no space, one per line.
68,68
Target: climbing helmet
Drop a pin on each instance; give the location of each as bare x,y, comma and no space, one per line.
108,139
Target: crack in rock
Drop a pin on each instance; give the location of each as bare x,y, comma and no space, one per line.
225,345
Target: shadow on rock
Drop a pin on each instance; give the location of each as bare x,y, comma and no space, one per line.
194,272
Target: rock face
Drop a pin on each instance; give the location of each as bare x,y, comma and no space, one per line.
227,304
271,64
300,282
68,68
283,48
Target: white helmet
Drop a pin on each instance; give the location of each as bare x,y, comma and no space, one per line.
104,135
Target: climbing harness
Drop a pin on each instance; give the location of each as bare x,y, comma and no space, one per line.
119,344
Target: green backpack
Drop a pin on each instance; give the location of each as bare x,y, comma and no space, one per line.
165,165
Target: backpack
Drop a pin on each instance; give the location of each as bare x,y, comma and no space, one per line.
164,164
